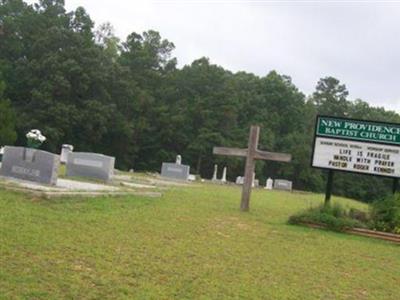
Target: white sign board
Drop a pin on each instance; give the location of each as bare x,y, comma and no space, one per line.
346,153
358,157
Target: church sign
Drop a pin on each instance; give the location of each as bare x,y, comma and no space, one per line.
350,145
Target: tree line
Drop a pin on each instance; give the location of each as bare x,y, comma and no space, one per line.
83,86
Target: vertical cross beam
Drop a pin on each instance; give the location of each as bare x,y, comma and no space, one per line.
249,168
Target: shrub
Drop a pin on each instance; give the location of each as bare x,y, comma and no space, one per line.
334,217
385,214
359,215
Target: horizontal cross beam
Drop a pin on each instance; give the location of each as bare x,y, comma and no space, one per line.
263,155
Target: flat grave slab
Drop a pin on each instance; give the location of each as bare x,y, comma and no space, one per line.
67,187
138,185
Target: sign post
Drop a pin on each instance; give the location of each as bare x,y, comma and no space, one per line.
329,184
395,185
357,146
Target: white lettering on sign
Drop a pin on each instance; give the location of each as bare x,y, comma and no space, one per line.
361,157
25,171
88,163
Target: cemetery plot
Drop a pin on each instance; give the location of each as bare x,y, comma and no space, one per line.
30,164
65,187
122,185
280,184
91,165
175,171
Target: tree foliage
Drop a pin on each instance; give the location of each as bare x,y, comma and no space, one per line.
8,134
83,86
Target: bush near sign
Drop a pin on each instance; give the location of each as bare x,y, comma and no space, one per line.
349,145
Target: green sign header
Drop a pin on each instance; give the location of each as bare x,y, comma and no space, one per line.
366,131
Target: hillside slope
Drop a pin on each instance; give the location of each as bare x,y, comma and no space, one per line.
193,243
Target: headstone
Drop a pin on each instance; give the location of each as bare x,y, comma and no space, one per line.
280,184
269,184
214,178
30,164
65,150
91,165
1,153
239,180
192,177
223,179
178,160
175,171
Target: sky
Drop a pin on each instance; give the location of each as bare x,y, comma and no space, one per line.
358,42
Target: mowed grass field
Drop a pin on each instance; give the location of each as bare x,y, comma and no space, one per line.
193,243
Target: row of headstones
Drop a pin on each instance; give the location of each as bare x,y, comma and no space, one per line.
279,184
43,167
179,171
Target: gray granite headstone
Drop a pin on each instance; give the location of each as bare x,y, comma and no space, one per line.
280,184
30,164
91,165
175,171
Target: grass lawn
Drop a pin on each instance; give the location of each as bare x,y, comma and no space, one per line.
193,243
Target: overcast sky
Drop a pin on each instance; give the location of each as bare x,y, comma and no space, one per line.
357,42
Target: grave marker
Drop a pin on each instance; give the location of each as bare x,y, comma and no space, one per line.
223,179
281,184
65,150
269,184
91,165
175,170
30,164
214,178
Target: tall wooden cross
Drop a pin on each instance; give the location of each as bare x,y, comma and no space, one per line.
251,153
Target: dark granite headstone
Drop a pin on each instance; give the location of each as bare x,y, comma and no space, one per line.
92,165
30,164
175,171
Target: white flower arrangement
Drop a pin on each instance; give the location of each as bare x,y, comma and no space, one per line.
35,138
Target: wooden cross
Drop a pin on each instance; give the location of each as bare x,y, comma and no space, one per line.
251,153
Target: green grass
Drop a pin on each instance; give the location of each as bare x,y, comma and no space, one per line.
193,243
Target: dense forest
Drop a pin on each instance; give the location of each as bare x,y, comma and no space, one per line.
81,85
